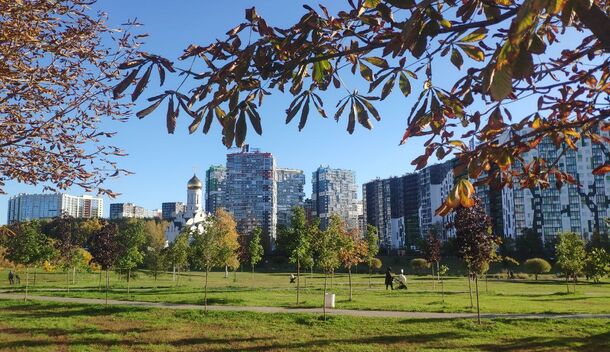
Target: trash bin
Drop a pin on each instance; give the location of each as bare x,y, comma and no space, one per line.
329,300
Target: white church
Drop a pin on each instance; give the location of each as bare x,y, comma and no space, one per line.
193,215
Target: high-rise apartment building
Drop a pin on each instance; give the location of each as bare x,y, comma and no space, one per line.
580,209
251,192
24,207
170,209
290,184
577,208
215,184
430,196
334,191
392,206
130,210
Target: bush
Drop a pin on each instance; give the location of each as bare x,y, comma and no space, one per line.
420,265
376,264
537,266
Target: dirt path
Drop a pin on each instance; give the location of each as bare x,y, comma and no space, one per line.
355,313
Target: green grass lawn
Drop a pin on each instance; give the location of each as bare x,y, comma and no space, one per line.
61,327
548,295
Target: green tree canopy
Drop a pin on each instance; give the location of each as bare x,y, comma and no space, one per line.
537,266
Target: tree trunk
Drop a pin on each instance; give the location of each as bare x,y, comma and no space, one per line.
433,282
575,278
536,277
470,290
349,273
298,279
99,284
332,279
27,279
235,275
370,273
68,280
226,271
438,269
173,273
476,283
205,290
324,302
128,279
442,291
73,275
35,272
485,283
568,283
107,284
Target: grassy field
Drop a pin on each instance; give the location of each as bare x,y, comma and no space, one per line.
61,327
548,295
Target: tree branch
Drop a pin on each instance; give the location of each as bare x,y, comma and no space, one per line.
596,20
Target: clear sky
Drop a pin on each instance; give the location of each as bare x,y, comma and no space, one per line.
163,163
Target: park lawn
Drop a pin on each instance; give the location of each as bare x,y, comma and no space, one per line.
39,326
262,289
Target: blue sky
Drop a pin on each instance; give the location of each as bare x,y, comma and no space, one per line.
163,163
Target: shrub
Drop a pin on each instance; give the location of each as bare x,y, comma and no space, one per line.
419,265
376,264
537,266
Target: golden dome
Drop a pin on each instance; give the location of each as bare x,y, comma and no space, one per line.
194,183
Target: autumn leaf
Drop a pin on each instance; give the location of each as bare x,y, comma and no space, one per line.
601,170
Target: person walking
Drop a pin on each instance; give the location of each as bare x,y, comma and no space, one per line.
11,278
389,279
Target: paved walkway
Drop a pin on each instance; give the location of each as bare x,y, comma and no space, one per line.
355,313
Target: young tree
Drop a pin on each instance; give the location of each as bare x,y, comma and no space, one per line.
371,238
352,250
476,242
534,50
327,249
154,254
571,254
29,247
68,239
299,246
432,250
442,271
537,266
178,253
227,226
213,245
131,238
104,247
597,264
255,248
56,90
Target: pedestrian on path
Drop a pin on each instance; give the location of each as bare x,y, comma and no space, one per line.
11,278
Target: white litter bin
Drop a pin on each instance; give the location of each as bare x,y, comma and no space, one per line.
329,300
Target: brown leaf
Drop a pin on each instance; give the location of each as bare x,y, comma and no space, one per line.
120,88
141,84
143,113
171,117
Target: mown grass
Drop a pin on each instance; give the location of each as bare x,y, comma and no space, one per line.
58,327
548,295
